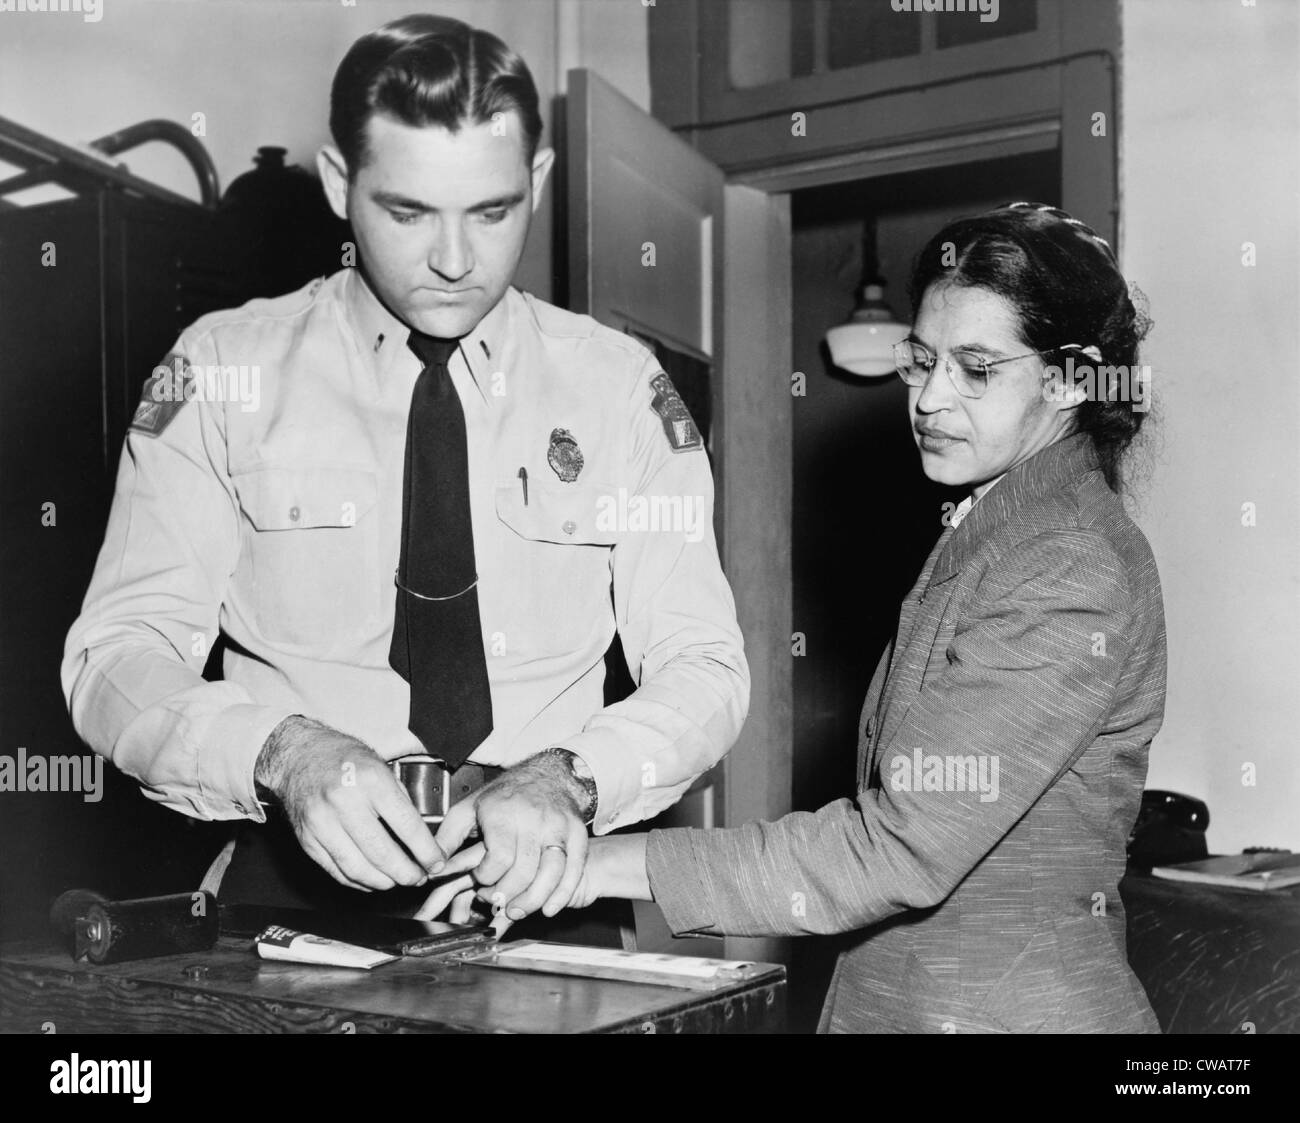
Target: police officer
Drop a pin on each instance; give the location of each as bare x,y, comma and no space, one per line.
418,537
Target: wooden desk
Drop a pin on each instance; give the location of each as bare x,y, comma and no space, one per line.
1213,959
231,990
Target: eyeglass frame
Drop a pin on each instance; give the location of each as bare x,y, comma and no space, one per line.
985,364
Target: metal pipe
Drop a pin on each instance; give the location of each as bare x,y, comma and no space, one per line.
174,134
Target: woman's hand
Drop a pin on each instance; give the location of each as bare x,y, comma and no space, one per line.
615,868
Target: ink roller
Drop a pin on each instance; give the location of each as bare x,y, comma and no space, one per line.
104,931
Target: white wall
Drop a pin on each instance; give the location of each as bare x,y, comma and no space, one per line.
260,71
1211,159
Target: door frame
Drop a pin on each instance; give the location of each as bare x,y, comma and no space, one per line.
754,416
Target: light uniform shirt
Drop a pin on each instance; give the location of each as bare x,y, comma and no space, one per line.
277,519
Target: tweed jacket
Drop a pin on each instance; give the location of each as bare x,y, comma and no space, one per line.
1001,762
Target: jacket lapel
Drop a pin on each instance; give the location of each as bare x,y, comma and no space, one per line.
895,687
921,616
1046,471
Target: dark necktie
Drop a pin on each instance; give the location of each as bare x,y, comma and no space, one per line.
437,638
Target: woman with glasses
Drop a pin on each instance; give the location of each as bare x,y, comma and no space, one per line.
1005,733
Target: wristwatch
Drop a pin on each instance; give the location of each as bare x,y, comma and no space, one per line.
582,775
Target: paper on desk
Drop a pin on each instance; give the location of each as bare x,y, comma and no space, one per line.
611,963
1258,871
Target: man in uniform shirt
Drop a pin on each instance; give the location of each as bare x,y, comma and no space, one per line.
282,527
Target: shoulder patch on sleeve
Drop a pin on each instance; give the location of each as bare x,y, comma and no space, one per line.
678,425
164,395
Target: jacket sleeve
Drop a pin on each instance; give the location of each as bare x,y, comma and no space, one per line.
677,621
133,660
1022,688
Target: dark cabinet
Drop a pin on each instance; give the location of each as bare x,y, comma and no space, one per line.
93,292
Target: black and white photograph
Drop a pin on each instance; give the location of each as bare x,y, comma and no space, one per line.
725,517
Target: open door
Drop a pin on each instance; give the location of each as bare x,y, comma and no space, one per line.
644,218
659,245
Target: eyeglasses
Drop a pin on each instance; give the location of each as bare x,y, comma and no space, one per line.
968,371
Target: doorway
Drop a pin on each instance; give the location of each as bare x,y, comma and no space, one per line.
864,517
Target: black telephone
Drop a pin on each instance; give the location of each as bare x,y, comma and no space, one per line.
1170,828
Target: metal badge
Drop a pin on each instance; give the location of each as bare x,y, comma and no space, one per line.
564,456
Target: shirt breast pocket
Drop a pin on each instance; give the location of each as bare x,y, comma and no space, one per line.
556,571
561,514
311,560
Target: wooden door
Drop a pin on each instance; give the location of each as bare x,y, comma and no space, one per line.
660,245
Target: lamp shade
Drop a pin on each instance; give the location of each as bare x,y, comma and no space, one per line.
865,345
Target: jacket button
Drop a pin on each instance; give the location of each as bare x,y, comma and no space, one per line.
294,513
569,527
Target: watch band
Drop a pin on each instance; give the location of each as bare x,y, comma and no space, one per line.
582,776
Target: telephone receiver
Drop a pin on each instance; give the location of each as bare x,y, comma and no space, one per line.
1173,807
1170,828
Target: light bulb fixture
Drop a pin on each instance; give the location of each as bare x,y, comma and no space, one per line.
865,344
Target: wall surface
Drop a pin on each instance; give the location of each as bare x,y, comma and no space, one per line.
260,70
1209,161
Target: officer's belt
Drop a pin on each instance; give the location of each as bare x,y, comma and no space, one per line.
432,788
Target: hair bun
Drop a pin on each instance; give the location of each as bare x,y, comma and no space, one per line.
1142,321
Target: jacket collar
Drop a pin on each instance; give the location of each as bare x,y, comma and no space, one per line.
384,336
1044,472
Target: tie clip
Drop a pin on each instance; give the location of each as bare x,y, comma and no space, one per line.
421,596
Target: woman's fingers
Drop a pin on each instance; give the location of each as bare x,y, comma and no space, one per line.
438,901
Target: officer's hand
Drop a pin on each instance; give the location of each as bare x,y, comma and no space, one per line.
456,892
338,794
534,846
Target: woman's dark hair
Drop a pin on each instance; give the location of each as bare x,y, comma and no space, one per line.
429,70
1064,282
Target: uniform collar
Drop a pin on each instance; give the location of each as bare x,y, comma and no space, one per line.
381,334
384,336
1044,472
483,349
